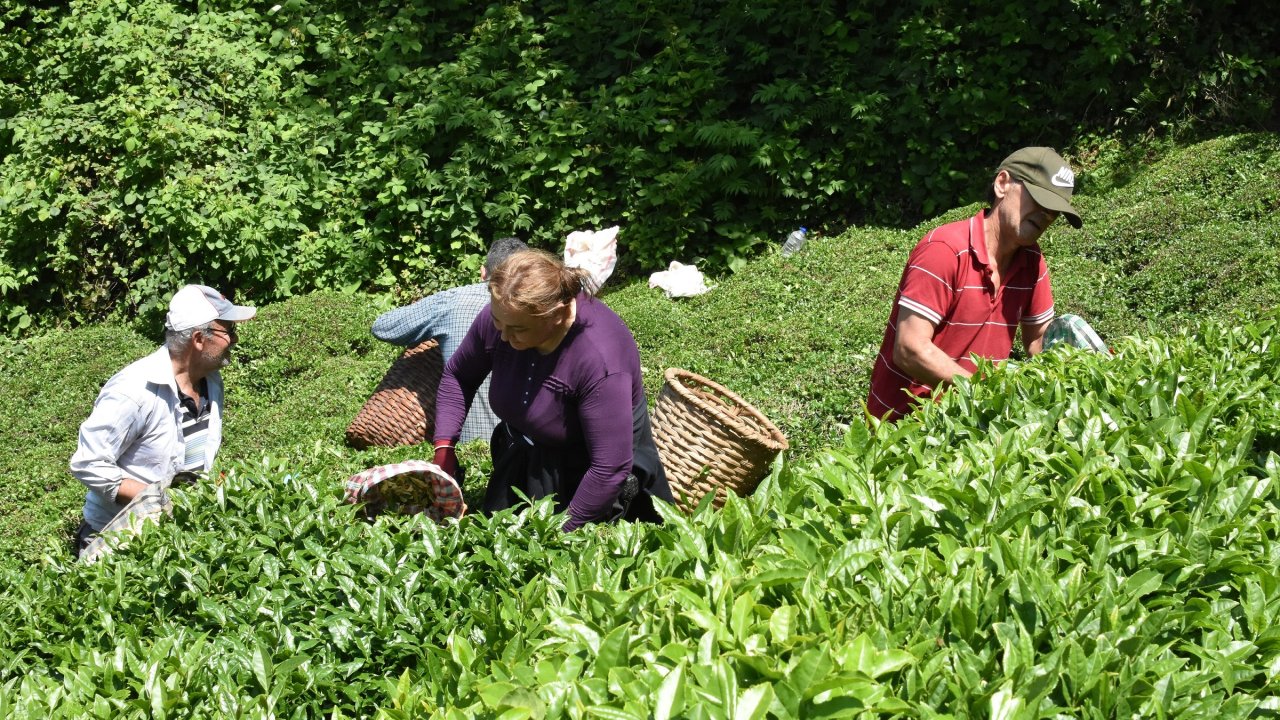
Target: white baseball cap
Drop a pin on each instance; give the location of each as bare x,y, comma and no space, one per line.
196,305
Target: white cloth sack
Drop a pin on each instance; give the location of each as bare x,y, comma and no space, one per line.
595,251
151,505
679,280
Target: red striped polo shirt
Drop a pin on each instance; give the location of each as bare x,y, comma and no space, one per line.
948,281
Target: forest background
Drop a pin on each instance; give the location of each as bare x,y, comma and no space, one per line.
272,150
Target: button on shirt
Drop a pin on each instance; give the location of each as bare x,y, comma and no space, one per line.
135,430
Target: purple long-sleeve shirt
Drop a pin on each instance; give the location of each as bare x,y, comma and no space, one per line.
576,399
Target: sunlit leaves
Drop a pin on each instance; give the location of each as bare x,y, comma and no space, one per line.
1072,536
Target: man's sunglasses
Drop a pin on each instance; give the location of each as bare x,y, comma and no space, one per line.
231,333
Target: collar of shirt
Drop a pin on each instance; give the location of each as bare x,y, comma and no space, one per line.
197,407
978,244
157,369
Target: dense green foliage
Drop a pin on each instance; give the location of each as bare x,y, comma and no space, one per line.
1078,535
795,336
1073,535
280,149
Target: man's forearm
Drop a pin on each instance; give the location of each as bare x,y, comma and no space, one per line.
1033,339
129,489
916,354
929,365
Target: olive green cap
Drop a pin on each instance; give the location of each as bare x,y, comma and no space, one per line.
1047,177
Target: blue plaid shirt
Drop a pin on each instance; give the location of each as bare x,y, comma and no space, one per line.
445,317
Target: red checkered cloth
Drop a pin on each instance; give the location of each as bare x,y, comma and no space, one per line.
407,488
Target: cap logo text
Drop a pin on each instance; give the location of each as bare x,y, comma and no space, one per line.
1064,178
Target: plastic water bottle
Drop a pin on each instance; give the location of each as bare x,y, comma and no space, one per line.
794,242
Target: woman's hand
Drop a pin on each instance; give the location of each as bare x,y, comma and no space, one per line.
447,458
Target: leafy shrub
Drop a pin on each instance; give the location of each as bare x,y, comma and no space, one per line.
1077,535
1071,535
312,145
153,158
796,337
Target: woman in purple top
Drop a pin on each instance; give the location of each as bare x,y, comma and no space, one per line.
566,384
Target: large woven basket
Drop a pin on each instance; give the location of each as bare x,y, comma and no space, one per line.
403,407
710,440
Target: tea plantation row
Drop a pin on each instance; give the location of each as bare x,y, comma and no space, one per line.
1075,535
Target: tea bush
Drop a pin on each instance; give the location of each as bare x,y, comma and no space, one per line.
796,337
1079,534
1074,535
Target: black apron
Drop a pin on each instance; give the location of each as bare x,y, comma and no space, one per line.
519,464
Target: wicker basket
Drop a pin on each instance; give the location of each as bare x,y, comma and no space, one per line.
710,440
403,407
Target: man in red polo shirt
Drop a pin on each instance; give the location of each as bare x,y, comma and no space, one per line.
970,284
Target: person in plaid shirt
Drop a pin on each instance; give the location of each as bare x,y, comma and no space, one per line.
445,317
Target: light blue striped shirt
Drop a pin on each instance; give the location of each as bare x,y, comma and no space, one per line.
445,317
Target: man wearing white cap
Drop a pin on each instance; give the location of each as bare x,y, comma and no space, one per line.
161,415
970,285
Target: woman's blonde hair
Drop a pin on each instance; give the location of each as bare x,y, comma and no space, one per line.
537,282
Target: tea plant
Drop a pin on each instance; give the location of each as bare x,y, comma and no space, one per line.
1073,535
1076,535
